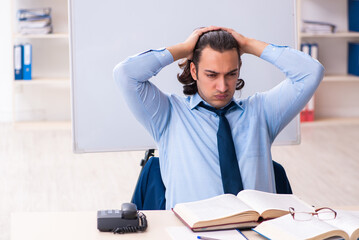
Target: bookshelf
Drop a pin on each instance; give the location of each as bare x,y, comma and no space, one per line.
337,95
332,35
341,78
47,96
42,36
65,82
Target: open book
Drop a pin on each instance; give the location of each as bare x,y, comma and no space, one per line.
345,225
245,210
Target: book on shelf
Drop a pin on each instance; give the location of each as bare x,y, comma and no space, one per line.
27,62
34,21
353,16
344,226
307,114
229,211
318,27
353,58
23,61
25,14
18,52
41,30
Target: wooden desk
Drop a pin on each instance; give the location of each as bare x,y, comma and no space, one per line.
83,225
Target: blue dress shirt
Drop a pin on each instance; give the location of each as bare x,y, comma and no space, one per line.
186,134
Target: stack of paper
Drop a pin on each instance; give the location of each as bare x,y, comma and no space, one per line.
35,21
318,27
184,233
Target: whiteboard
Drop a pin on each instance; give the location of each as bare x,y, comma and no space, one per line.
103,33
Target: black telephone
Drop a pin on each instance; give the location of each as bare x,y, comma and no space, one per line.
128,219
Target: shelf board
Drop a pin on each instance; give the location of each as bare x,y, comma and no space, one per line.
330,35
42,125
41,36
341,78
43,81
332,121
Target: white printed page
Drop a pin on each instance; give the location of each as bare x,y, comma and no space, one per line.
286,228
209,209
184,233
262,201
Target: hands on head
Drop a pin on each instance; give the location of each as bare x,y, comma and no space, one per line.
191,41
246,45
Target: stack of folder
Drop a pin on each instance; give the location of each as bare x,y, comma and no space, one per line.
318,27
35,21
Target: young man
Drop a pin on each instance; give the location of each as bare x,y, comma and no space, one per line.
188,130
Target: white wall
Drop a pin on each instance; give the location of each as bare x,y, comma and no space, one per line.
6,73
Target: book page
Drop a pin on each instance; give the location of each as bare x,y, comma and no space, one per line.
209,209
287,228
262,201
347,221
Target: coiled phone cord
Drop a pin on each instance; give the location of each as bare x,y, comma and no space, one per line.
142,226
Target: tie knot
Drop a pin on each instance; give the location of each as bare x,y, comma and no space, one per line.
219,112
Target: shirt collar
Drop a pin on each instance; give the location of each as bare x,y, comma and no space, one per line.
196,99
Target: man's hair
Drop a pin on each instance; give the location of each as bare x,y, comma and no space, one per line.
218,40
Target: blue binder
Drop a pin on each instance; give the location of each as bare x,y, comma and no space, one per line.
18,52
27,61
306,48
353,59
353,15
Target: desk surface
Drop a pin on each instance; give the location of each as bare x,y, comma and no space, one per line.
83,225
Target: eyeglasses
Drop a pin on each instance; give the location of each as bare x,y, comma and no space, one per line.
324,213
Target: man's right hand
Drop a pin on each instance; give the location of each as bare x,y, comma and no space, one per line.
185,49
248,45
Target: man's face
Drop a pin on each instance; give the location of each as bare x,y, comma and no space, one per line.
217,76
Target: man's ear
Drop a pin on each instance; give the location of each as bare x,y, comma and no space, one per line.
193,71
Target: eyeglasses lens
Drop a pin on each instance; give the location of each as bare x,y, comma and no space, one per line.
326,214
302,216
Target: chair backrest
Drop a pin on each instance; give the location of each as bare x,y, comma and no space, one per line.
150,191
282,184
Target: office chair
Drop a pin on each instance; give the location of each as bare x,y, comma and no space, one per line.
149,193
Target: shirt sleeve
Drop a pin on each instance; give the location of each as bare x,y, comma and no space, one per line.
150,106
303,75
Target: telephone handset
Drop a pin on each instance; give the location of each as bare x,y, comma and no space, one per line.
128,219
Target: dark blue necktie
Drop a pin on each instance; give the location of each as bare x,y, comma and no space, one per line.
231,176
